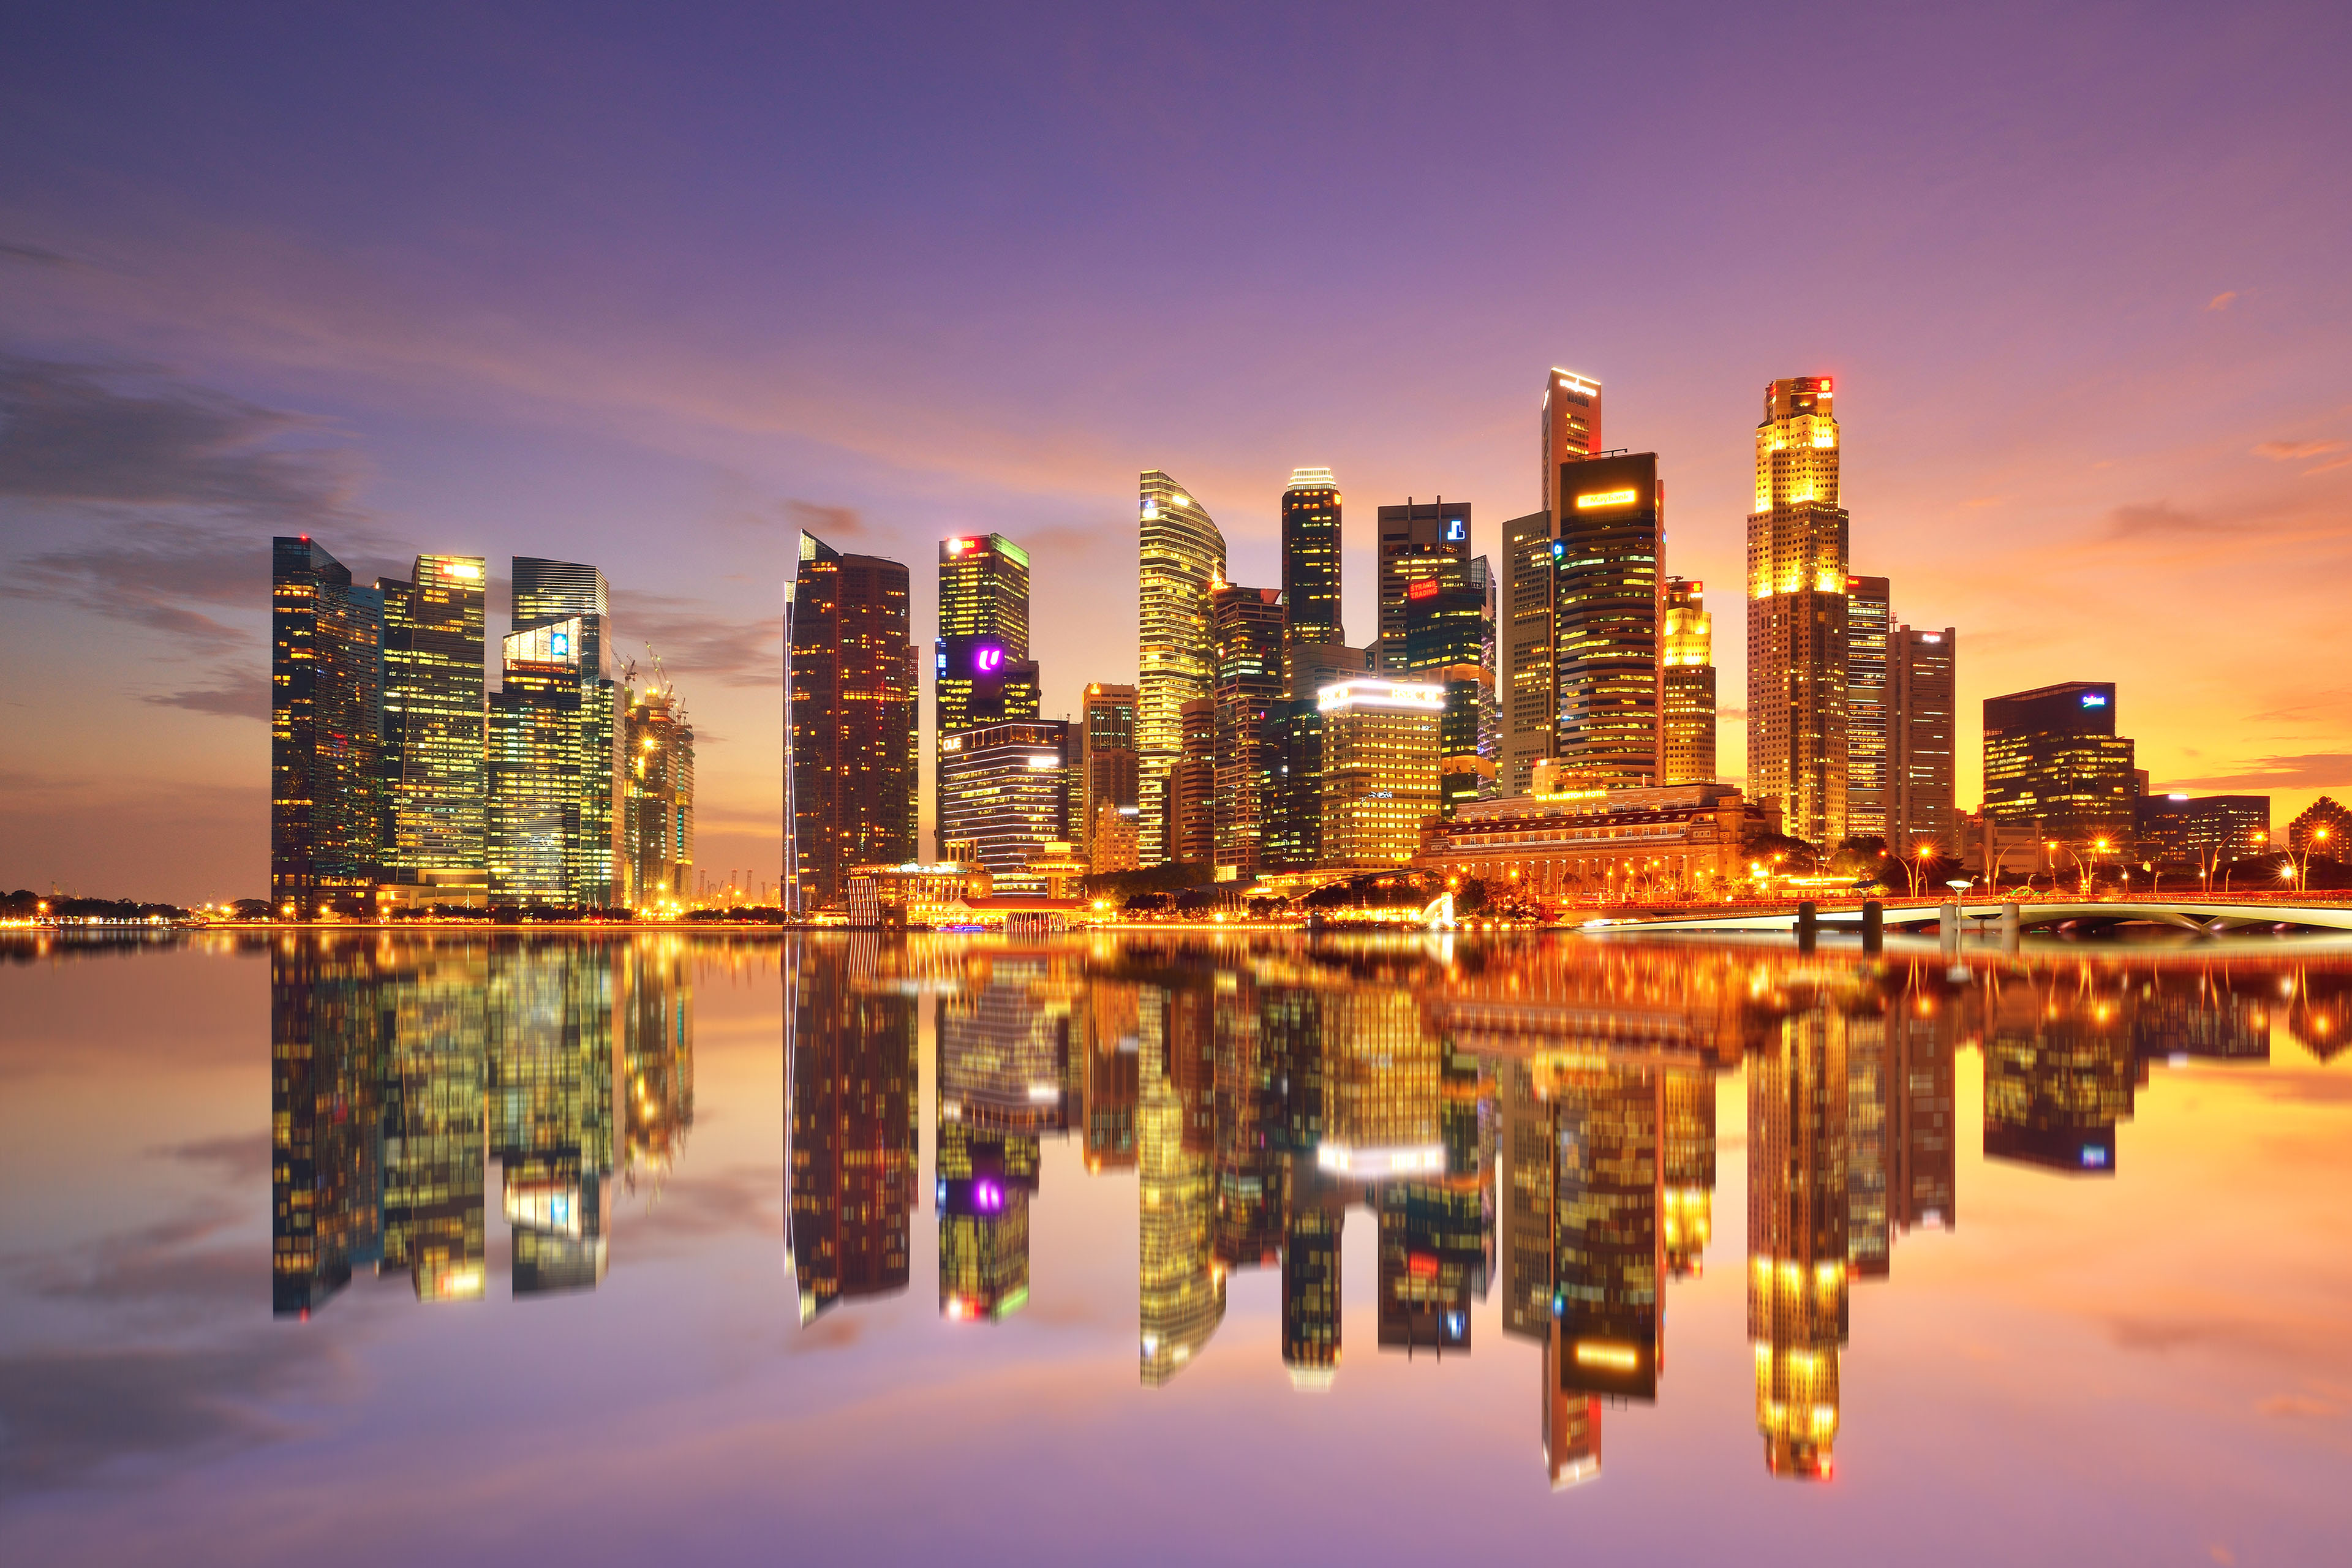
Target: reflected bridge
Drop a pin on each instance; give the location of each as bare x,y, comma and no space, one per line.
2208,917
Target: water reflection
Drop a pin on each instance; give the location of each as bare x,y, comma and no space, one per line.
401,1070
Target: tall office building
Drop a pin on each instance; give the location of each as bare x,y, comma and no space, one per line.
1797,614
1922,741
1797,1242
436,787
1180,1290
1005,790
1108,762
1181,556
1609,1286
1380,769
568,595
1192,786
2204,831
2054,762
554,1112
1310,557
1569,432
853,1121
541,733
1869,776
1606,609
1414,538
980,670
1687,748
851,689
1446,642
659,745
326,699
1296,836
1246,747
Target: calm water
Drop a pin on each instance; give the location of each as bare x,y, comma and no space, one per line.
1173,1249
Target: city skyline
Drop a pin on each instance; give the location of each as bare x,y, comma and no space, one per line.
208,343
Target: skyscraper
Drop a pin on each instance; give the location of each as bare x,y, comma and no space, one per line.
980,672
1869,778
1797,1243
1413,539
326,696
1797,614
1295,836
853,1119
435,790
1923,725
1569,431
1447,633
1005,790
1310,557
1688,751
1609,1280
1192,786
1181,1291
1606,611
2054,762
1108,761
1181,556
568,595
1248,627
540,730
1380,769
851,687
659,745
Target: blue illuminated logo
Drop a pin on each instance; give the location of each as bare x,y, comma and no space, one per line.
1456,529
943,661
560,644
2094,1155
2094,699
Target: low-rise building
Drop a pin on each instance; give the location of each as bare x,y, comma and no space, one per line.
1674,840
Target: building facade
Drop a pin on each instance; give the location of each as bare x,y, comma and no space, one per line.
1005,790
658,742
1109,763
1181,556
1192,786
1295,837
1797,614
1414,540
1869,775
851,692
2205,831
1922,740
326,696
436,789
1448,635
1246,745
1310,557
1686,745
574,596
1380,769
980,670
1606,609
1569,432
2054,762
1679,839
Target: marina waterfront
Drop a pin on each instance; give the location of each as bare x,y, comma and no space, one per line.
379,1244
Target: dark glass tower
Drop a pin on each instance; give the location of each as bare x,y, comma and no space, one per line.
1447,633
1413,538
853,1120
1310,556
851,690
2051,757
1248,627
982,672
436,788
326,701
1606,612
561,612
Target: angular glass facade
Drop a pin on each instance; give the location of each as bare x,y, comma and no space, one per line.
851,695
436,788
1180,557
326,684
1249,629
1310,556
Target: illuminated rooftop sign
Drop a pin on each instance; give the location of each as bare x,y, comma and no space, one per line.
1605,497
1373,1164
1405,694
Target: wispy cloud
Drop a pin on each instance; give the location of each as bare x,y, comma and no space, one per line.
244,697
692,637
828,523
2222,301
2311,769
2288,451
34,255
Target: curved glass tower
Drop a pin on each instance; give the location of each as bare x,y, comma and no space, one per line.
1182,557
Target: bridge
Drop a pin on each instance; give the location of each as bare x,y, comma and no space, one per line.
2207,917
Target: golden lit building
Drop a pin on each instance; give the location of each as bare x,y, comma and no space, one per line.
436,789
1182,558
1681,840
1797,614
1688,753
1686,1148
1570,430
1381,748
659,759
1182,1289
1797,1241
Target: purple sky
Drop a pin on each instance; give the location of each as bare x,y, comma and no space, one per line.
651,291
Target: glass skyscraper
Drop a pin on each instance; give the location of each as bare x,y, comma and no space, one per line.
982,672
1310,557
1180,557
326,699
851,693
1246,747
436,781
1605,603
1797,614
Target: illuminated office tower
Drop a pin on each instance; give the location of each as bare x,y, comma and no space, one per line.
1181,556
1296,836
1181,1288
980,669
1530,1147
851,692
1922,1032
538,738
434,1015
1382,1071
1380,769
854,1119
326,699
1869,780
2054,762
2202,831
1245,748
1433,1256
1414,538
1314,1213
1004,1077
1192,786
1686,1151
1869,1235
552,593
1797,1234
436,788
1310,557
326,1077
1447,632
2060,1071
1108,768
1606,609
1005,790
1569,432
983,1221
1245,1222
1922,742
1688,753
1797,614
658,744
554,1112
1114,1078
1490,702
1572,1430
1610,1277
